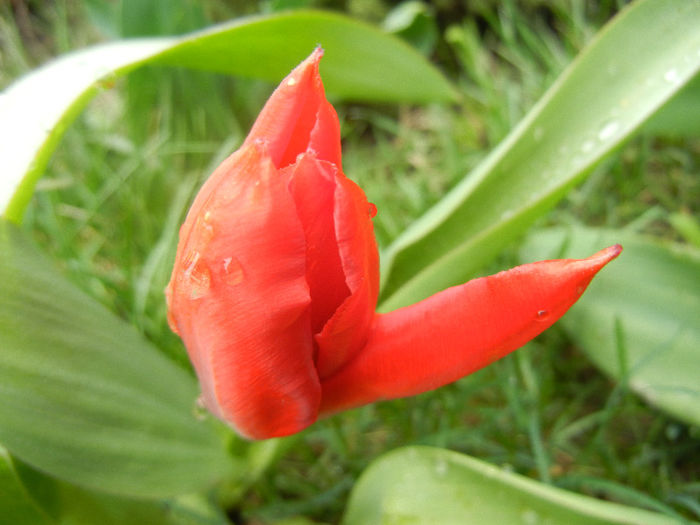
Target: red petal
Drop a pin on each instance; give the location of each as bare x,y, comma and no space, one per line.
239,299
460,330
313,185
325,137
346,332
297,118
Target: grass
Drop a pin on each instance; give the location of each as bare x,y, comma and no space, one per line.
109,208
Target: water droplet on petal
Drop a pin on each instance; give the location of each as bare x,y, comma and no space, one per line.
208,232
262,143
372,210
204,229
542,315
188,262
233,271
196,275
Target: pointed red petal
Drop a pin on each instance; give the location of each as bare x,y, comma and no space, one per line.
325,137
460,330
313,187
297,118
346,332
239,298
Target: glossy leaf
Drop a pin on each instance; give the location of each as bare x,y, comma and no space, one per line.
362,63
431,485
638,321
634,65
16,505
84,397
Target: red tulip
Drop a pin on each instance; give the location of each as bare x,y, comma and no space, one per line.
277,276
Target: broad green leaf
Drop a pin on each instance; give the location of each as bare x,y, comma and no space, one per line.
361,63
68,504
84,397
687,226
679,117
431,485
639,319
634,65
16,505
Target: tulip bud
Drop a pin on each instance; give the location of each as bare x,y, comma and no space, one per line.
276,280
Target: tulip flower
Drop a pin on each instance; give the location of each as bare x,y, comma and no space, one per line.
276,281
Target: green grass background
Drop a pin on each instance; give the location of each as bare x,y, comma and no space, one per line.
118,187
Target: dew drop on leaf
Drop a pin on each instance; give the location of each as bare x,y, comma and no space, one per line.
608,130
538,133
671,76
530,517
199,410
441,467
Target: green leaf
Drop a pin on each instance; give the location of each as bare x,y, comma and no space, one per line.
636,63
432,485
679,117
687,226
638,320
16,505
69,504
361,63
413,21
84,397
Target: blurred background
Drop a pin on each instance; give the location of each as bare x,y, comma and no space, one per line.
118,187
